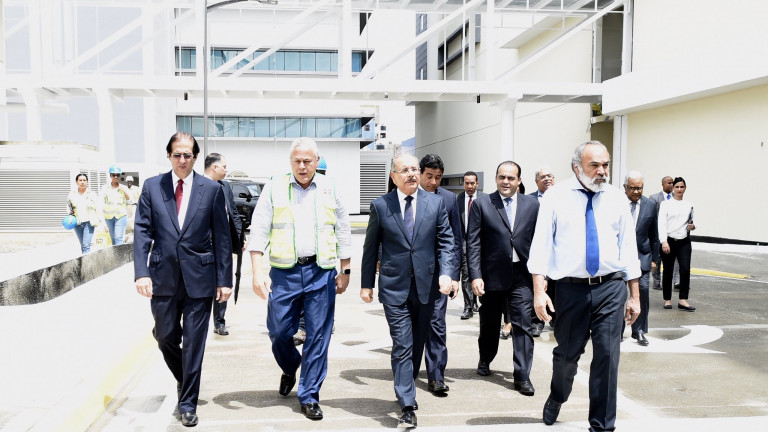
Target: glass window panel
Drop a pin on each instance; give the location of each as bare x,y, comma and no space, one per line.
217,58
337,128
279,61
229,125
308,61
334,62
246,60
353,128
323,60
292,127
197,126
308,127
261,127
292,60
357,61
263,65
215,127
280,127
323,128
192,58
246,127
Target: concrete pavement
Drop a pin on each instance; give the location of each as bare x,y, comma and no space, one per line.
71,357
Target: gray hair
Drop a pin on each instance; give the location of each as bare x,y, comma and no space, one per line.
633,175
540,169
304,142
400,157
579,152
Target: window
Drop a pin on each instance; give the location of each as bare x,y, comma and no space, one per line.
308,61
268,127
299,60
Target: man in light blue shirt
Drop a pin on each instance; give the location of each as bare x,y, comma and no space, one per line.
585,239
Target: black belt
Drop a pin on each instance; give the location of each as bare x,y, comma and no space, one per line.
306,260
594,280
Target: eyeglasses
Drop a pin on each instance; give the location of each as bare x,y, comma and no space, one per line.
114,175
183,155
407,170
635,188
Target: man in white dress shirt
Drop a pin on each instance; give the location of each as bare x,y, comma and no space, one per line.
664,194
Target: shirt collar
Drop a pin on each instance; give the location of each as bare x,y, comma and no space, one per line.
294,181
401,196
176,178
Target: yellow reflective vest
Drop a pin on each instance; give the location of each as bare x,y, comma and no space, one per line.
282,241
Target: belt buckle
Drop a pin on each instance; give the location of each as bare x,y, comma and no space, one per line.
598,280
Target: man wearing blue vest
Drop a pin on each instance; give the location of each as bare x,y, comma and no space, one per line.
301,218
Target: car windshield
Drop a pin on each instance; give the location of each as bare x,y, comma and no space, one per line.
255,189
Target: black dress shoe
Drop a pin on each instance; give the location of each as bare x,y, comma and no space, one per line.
504,335
667,306
476,308
408,419
467,314
525,388
221,329
483,368
286,384
189,419
536,329
312,411
437,386
640,338
686,308
551,411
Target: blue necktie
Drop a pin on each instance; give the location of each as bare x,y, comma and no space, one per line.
408,217
508,208
593,247
669,196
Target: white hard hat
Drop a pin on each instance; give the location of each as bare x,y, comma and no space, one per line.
129,178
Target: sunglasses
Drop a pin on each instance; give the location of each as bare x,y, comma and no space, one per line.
183,155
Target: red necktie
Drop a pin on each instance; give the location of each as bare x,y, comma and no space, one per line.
179,193
469,205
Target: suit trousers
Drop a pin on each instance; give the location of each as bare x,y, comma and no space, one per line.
181,318
584,310
219,309
436,351
519,300
470,300
312,289
641,323
408,323
679,250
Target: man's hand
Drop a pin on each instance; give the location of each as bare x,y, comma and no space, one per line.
454,289
445,284
262,285
366,294
478,287
653,265
665,247
541,300
633,304
144,286
223,293
342,281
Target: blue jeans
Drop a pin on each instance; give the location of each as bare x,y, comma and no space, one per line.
84,233
117,229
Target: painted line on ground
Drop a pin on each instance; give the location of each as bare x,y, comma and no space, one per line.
707,272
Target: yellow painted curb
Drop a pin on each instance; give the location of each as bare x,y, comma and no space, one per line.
86,403
706,272
359,224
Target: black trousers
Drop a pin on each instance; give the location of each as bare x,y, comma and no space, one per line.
470,300
181,318
679,250
582,311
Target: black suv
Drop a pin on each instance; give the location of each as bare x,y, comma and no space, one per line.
246,194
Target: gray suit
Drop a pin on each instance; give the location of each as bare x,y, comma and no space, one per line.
657,198
470,300
646,229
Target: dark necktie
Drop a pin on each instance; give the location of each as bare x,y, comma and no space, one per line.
469,204
593,247
508,209
408,217
633,207
179,194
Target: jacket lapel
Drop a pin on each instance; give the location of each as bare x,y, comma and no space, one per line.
195,198
421,210
166,188
499,204
394,209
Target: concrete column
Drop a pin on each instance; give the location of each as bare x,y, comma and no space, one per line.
106,125
489,41
619,157
3,81
34,114
344,65
507,135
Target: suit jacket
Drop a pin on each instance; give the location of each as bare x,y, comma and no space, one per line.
534,194
647,232
460,201
200,251
658,198
490,240
424,258
454,220
235,223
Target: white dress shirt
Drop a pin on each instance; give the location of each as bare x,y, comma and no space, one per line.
511,218
559,244
673,219
186,189
303,211
467,197
637,210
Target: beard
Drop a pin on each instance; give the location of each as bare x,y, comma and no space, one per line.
591,182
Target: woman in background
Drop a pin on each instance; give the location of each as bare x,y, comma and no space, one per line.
675,225
82,203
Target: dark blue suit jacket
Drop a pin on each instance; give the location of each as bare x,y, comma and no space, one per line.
201,250
647,232
490,239
428,255
454,220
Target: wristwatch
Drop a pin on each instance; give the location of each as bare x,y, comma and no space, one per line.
346,271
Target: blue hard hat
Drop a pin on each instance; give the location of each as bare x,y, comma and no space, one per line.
114,169
69,222
322,165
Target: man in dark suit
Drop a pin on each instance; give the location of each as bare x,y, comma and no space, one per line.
646,219
182,261
465,200
436,351
216,170
544,180
409,228
664,194
499,234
